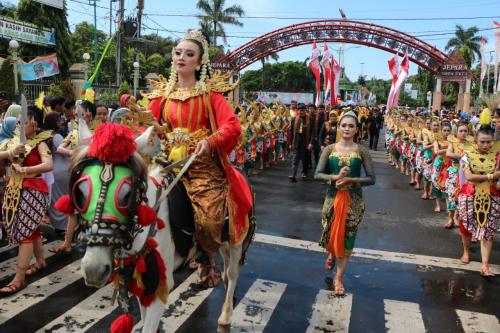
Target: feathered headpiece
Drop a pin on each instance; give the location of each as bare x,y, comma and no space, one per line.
485,117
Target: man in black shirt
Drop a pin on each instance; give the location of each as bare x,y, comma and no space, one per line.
300,134
375,123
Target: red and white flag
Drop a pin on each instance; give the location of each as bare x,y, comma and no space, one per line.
315,68
484,66
394,69
496,26
326,66
335,78
403,74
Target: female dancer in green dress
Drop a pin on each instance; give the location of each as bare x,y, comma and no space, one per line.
340,166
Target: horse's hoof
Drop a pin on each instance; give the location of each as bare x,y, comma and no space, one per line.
223,329
224,322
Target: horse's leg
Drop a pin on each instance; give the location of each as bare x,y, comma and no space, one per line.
152,315
224,251
233,272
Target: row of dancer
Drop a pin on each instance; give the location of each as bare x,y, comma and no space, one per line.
452,160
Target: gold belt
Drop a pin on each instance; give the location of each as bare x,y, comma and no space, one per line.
180,142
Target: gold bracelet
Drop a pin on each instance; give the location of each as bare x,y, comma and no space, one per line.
489,176
10,153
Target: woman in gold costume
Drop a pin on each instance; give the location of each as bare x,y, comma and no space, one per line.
340,166
456,150
440,167
26,197
199,120
479,199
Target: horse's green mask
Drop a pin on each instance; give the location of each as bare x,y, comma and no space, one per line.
86,193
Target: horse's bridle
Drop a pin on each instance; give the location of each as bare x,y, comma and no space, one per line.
122,234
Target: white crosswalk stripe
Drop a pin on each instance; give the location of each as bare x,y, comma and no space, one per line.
83,315
8,266
254,313
474,322
179,309
403,317
398,257
330,313
39,290
255,309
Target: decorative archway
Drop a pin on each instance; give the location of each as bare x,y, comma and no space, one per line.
341,31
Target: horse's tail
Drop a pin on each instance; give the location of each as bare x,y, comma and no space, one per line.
252,226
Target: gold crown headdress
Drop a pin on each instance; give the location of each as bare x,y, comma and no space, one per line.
196,35
349,113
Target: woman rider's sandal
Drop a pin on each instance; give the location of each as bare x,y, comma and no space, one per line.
209,277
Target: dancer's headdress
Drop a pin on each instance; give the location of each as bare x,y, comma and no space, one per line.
351,114
193,35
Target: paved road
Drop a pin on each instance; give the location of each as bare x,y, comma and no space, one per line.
403,276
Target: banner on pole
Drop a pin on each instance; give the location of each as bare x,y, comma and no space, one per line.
327,67
39,67
394,69
484,66
314,65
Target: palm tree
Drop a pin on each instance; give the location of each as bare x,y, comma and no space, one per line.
467,42
273,56
215,15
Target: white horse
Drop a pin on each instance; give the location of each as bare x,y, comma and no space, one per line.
98,261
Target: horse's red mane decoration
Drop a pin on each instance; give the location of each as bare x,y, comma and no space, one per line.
112,143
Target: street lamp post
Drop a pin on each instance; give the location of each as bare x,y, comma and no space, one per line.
86,58
13,46
136,76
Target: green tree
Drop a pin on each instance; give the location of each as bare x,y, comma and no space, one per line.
467,42
55,90
273,56
158,44
8,10
207,30
7,81
82,40
124,88
289,76
67,89
214,15
450,92
423,82
361,81
48,17
379,87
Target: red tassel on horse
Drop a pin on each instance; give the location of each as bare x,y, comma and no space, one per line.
160,223
63,204
145,214
122,324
